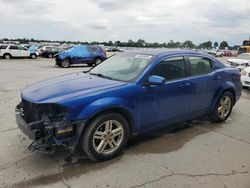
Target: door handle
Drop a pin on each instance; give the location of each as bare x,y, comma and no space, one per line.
217,77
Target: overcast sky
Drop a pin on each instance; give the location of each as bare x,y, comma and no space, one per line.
104,20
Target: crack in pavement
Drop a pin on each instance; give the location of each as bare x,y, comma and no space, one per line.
188,176
60,172
225,186
7,130
9,165
227,135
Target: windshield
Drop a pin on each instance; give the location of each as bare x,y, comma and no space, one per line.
123,66
244,56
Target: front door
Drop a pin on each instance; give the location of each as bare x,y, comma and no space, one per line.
169,103
23,52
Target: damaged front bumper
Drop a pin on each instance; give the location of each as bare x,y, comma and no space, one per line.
46,135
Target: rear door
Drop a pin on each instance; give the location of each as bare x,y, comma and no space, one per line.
204,82
13,49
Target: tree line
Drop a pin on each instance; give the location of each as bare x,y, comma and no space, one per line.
138,43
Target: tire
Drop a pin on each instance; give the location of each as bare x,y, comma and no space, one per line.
105,145
7,56
97,61
50,56
33,56
90,64
65,63
223,107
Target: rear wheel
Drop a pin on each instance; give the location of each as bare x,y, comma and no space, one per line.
223,107
105,137
65,63
6,56
97,61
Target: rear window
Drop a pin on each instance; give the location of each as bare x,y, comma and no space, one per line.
200,65
2,47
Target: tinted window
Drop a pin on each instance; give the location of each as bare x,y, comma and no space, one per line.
200,65
2,47
21,48
13,48
170,69
92,48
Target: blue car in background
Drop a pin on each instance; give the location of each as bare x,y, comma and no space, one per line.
81,54
128,94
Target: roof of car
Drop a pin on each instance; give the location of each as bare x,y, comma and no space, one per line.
156,52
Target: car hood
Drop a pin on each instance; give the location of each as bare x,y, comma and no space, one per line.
238,61
59,89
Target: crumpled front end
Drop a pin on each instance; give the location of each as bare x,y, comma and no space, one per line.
47,125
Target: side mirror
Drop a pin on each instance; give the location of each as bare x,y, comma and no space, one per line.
156,80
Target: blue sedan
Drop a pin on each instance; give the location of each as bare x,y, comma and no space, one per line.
128,94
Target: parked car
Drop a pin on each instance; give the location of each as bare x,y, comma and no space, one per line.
245,77
216,53
114,50
81,54
49,51
241,61
227,53
128,94
8,51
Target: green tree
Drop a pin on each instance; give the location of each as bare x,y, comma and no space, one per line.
188,44
223,44
140,43
216,44
207,45
110,43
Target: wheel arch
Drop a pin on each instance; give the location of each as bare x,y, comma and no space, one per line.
97,57
228,87
115,109
7,53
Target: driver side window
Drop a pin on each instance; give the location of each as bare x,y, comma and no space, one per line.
171,68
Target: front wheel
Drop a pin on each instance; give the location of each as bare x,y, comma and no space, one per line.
65,63
223,107
105,137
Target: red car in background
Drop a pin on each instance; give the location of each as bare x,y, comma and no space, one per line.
227,53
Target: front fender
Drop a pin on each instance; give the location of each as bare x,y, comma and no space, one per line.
103,104
226,86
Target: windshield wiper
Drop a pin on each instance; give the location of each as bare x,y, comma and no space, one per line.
100,75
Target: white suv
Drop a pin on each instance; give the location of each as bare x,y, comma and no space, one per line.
8,51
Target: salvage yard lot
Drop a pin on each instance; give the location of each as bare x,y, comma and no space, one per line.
202,155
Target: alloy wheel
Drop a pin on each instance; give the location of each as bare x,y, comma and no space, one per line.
98,61
224,106
65,63
108,137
